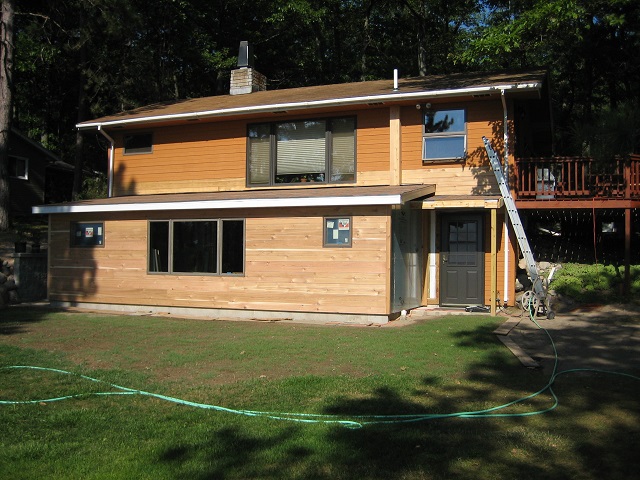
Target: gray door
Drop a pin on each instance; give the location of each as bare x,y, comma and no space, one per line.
461,260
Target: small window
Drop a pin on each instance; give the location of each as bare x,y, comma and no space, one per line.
138,143
204,247
87,234
444,135
19,167
337,232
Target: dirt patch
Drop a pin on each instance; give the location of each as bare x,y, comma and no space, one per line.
604,337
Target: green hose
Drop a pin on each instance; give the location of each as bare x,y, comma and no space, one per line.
353,421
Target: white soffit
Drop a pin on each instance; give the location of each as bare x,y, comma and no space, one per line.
396,198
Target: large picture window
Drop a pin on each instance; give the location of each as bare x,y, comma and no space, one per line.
200,247
301,151
444,135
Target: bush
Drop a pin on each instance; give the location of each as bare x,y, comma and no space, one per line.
595,283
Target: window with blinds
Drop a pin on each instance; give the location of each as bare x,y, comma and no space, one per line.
301,151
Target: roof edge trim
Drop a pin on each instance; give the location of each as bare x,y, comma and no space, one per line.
314,103
360,200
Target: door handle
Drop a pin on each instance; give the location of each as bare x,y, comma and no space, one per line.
445,258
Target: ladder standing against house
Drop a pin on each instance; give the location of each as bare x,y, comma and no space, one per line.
537,297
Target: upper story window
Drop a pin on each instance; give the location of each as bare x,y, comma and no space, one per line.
301,151
138,143
444,135
19,167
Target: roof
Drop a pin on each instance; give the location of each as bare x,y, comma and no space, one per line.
308,197
358,93
37,146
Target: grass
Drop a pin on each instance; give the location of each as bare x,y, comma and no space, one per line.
595,283
440,366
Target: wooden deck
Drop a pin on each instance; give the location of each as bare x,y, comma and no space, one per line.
574,182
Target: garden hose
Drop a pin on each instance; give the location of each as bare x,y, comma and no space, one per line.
349,421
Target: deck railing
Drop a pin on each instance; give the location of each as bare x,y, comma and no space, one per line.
576,177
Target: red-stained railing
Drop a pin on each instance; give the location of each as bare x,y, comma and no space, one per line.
574,177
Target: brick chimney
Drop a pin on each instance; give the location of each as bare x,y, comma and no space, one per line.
245,79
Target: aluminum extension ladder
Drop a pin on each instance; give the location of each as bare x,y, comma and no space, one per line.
536,299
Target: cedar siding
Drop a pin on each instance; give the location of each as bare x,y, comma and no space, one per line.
286,266
211,156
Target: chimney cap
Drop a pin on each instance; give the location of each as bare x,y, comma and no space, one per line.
245,55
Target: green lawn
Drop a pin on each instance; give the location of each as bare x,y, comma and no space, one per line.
359,375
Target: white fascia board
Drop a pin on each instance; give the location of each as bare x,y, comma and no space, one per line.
224,204
314,104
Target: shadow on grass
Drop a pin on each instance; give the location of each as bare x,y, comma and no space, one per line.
593,434
16,319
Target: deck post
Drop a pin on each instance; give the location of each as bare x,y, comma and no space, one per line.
627,251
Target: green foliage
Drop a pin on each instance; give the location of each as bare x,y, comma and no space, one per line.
94,187
612,133
595,283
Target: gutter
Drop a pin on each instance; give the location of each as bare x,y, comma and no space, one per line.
112,149
281,107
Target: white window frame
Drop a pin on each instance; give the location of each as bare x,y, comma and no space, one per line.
454,134
16,158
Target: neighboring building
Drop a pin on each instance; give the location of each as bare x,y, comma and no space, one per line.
349,202
36,175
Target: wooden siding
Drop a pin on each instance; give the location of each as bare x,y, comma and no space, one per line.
500,260
186,158
287,268
211,156
473,176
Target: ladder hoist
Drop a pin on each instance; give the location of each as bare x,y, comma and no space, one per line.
535,299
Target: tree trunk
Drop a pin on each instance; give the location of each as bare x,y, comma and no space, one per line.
6,89
82,108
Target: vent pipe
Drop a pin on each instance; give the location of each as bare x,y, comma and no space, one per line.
395,79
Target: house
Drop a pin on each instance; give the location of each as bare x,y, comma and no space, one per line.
36,175
350,202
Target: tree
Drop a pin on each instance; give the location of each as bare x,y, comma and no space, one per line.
6,88
587,45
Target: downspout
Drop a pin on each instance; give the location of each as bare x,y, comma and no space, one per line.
112,149
505,121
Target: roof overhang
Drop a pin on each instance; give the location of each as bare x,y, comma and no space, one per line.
393,97
274,198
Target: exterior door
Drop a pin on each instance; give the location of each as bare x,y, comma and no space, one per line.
461,260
